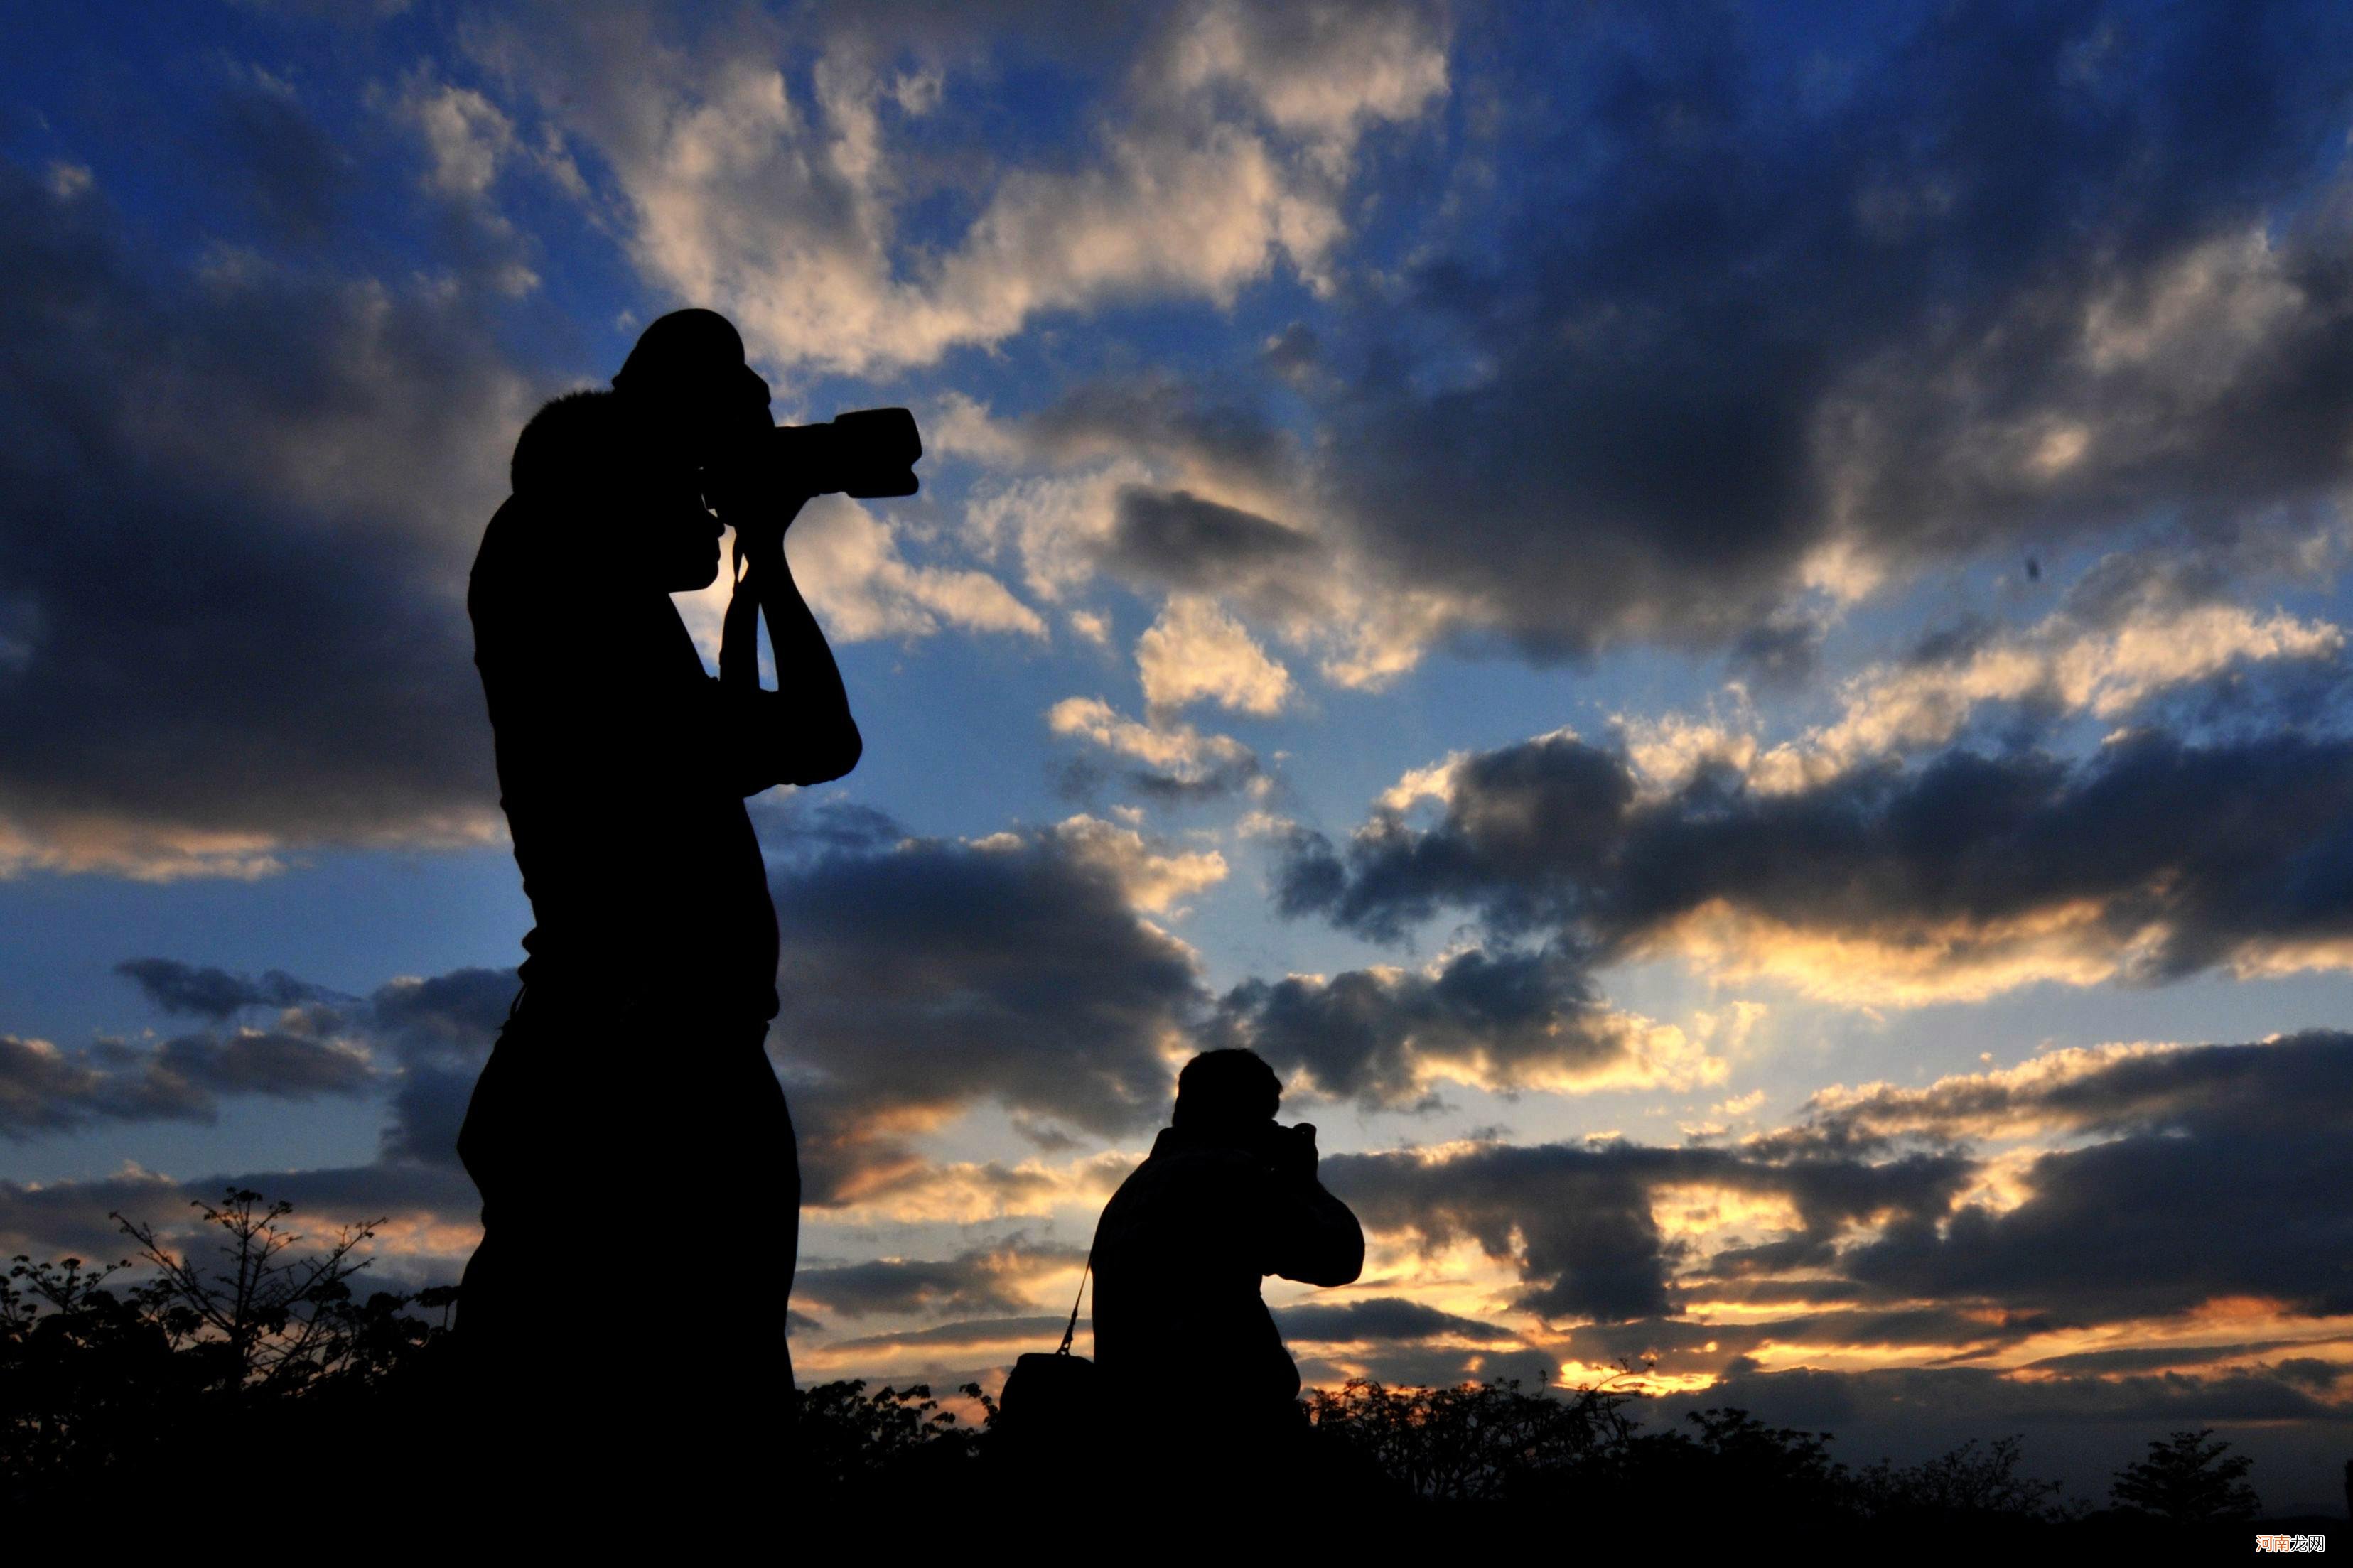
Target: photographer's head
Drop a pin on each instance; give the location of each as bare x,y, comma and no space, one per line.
1227,1095
688,393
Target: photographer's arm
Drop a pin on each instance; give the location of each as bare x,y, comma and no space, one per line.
1312,1237
804,733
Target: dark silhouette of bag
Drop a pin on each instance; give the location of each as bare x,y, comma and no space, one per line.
1053,1401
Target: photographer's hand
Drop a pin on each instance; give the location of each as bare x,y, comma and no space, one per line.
811,737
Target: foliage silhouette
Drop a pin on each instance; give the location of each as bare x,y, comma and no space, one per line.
1473,1442
1968,1483
114,1383
270,1320
851,1440
266,1349
2189,1480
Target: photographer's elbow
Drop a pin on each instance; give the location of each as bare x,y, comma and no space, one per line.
824,764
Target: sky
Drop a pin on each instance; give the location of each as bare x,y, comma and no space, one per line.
1720,628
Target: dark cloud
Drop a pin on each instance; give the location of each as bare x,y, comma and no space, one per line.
932,976
1779,653
1429,1366
1162,412
214,994
425,1039
2217,1194
966,1336
2203,853
992,1280
44,1090
1979,274
1577,1221
2229,1087
237,507
1175,539
2194,1186
277,161
2311,1372
456,1015
1498,1019
1380,1318
2157,1358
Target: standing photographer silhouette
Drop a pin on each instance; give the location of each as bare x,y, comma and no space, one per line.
628,1117
1228,1196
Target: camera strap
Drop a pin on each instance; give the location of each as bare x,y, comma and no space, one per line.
1071,1329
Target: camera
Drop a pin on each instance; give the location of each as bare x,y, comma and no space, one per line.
1288,1150
868,453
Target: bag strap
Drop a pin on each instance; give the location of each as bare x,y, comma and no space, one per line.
1071,1329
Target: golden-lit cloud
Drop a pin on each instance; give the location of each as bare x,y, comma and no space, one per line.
1195,652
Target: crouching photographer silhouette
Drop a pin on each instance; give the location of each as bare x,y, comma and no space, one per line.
1228,1196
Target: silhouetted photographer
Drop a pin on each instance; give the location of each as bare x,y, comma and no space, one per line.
1228,1196
630,1108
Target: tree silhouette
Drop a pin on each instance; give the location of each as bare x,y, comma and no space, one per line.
845,1433
1471,1442
2188,1480
1966,1483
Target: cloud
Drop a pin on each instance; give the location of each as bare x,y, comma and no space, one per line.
2168,1203
215,994
310,1048
994,1281
2132,633
1175,760
1381,1319
233,624
1499,1021
1580,1224
979,1333
422,1040
1731,338
272,159
928,975
44,1090
1226,156
468,136
1962,876
2209,1193
1195,651
1178,539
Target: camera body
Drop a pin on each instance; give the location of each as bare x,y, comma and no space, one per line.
1289,1150
869,452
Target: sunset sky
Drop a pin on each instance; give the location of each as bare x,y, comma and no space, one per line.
1720,628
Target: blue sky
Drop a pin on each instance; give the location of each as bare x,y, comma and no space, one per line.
1674,602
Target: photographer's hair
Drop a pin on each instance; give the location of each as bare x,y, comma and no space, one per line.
567,444
1228,1090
